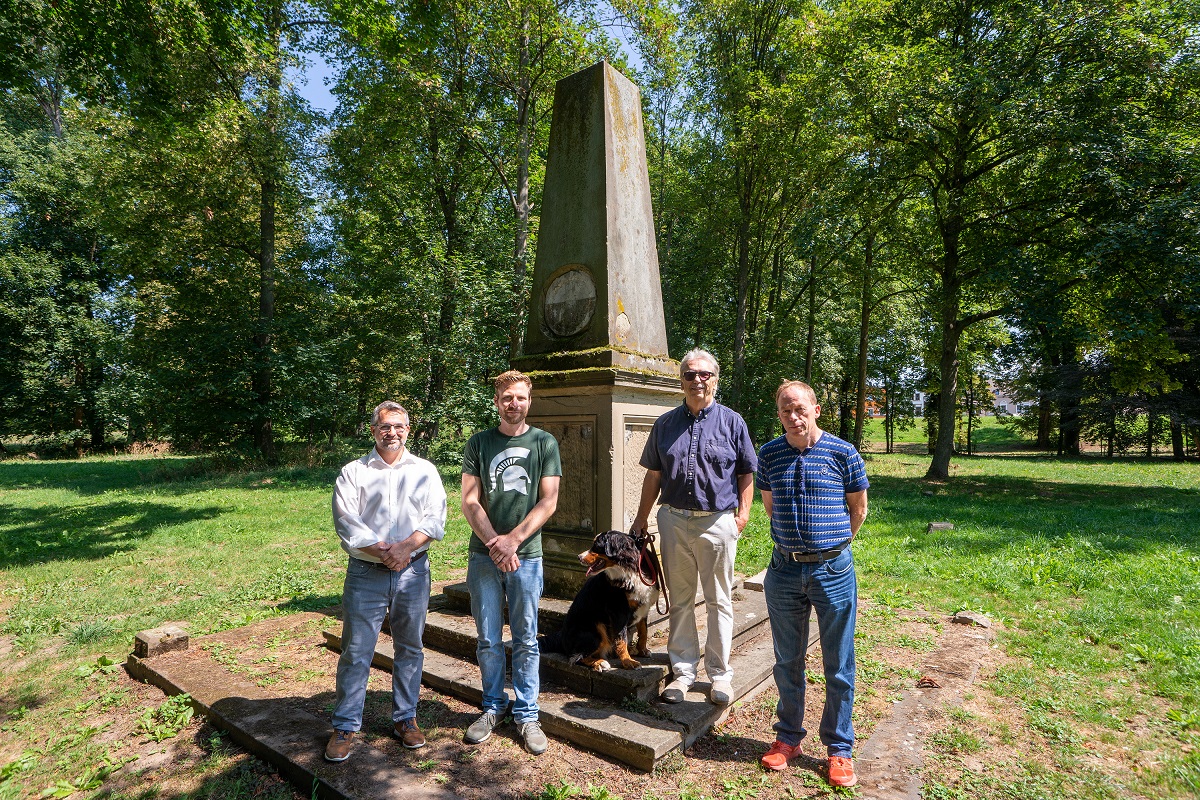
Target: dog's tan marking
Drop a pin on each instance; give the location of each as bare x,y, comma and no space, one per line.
596,659
623,655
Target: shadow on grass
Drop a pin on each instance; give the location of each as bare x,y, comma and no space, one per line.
85,533
173,475
992,513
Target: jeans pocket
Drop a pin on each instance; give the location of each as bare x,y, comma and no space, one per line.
777,560
840,565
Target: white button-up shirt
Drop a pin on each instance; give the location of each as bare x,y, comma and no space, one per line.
374,501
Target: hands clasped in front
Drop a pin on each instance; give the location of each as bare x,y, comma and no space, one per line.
395,556
503,550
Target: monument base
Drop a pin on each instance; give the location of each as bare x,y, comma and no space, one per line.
601,420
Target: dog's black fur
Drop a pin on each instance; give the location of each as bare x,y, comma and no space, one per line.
612,600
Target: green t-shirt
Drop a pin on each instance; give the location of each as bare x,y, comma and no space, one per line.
511,469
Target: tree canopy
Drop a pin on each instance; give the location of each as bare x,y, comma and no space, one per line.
881,197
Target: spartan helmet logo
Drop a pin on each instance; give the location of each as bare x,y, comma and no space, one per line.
506,470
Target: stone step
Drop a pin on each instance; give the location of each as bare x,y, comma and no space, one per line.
634,731
551,610
453,631
289,739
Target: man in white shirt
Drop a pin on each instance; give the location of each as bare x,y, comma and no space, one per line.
387,507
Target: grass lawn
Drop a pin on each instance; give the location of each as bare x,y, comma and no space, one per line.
1092,567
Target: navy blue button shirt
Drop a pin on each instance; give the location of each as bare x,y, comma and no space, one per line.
700,457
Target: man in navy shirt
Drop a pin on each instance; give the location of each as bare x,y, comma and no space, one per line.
700,457
814,488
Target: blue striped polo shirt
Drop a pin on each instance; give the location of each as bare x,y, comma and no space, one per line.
808,491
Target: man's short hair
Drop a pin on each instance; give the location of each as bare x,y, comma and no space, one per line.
801,385
695,354
507,379
389,407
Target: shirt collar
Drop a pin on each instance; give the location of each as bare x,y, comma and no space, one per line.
376,460
704,412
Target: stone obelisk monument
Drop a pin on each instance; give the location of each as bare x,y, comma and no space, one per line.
596,341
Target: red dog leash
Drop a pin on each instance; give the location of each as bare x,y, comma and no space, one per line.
650,569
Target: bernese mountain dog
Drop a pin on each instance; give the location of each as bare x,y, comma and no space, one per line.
613,599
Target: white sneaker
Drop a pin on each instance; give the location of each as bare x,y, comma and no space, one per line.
721,692
675,691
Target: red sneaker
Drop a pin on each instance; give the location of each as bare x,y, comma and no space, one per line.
779,755
841,772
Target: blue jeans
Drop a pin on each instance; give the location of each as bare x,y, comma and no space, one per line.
792,590
489,587
369,593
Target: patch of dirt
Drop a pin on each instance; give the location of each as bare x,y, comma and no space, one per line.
286,657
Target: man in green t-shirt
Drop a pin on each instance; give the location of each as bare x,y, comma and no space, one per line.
509,490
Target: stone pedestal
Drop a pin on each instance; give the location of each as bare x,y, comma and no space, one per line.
601,429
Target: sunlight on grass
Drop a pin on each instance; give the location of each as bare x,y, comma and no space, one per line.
1092,566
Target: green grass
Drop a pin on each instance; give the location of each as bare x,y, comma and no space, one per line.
1093,566
988,435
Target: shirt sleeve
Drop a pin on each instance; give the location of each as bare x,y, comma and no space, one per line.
747,460
651,459
761,479
856,473
551,457
470,465
433,516
354,533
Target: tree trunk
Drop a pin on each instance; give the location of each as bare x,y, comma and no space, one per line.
525,111
1043,429
1071,391
261,381
743,296
1177,451
845,407
943,448
864,326
1112,431
812,323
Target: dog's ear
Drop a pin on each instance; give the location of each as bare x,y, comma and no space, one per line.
612,544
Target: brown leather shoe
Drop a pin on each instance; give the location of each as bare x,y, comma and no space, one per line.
409,734
340,745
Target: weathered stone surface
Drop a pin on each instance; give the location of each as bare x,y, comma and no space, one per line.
755,584
595,276
155,641
291,740
638,739
972,618
939,526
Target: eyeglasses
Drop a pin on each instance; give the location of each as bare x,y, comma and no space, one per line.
390,428
692,374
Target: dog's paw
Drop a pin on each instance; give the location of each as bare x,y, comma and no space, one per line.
643,650
629,663
602,666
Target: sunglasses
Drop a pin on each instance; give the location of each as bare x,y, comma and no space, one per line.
692,374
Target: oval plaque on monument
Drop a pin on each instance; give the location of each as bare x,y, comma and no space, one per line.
570,301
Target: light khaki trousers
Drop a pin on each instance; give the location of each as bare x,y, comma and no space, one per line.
699,549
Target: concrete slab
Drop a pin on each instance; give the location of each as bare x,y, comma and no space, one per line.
292,740
453,631
891,760
614,729
755,583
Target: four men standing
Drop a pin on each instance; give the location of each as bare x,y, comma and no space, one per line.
700,466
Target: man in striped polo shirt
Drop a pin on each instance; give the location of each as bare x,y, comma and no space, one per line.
814,488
